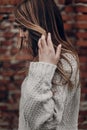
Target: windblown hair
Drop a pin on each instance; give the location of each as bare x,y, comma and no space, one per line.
40,17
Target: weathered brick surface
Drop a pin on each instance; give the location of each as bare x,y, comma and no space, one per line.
74,17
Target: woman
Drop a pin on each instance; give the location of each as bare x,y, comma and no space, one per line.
50,93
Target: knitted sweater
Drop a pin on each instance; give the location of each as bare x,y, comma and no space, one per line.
40,109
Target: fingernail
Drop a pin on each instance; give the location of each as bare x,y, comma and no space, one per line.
60,45
49,35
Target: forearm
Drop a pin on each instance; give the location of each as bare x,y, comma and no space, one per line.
38,95
39,108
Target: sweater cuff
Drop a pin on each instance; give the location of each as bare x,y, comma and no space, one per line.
42,69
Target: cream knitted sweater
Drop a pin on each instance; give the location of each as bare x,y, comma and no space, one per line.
40,109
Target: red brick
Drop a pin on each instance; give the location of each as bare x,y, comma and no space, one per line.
6,43
81,35
2,50
1,17
3,107
18,82
82,51
81,8
8,73
84,67
68,9
84,75
81,119
80,17
6,65
82,43
11,18
10,2
83,112
8,35
66,17
83,84
83,126
2,88
6,9
83,1
4,81
67,26
11,87
61,1
83,59
17,66
81,25
4,58
84,90
82,98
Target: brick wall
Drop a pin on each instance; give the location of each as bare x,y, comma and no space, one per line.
75,17
81,40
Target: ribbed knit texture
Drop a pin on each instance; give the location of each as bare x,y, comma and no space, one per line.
40,109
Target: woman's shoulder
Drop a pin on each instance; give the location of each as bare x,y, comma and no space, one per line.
69,61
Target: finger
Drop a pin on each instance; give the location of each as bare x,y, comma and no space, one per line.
39,53
49,40
39,45
58,51
43,41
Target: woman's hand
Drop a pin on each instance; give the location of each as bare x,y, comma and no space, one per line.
47,52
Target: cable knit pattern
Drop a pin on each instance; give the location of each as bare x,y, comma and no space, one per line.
40,109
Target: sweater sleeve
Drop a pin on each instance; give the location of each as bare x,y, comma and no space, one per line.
39,108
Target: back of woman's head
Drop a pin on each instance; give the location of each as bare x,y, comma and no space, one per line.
40,17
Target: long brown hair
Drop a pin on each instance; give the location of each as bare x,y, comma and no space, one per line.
40,17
